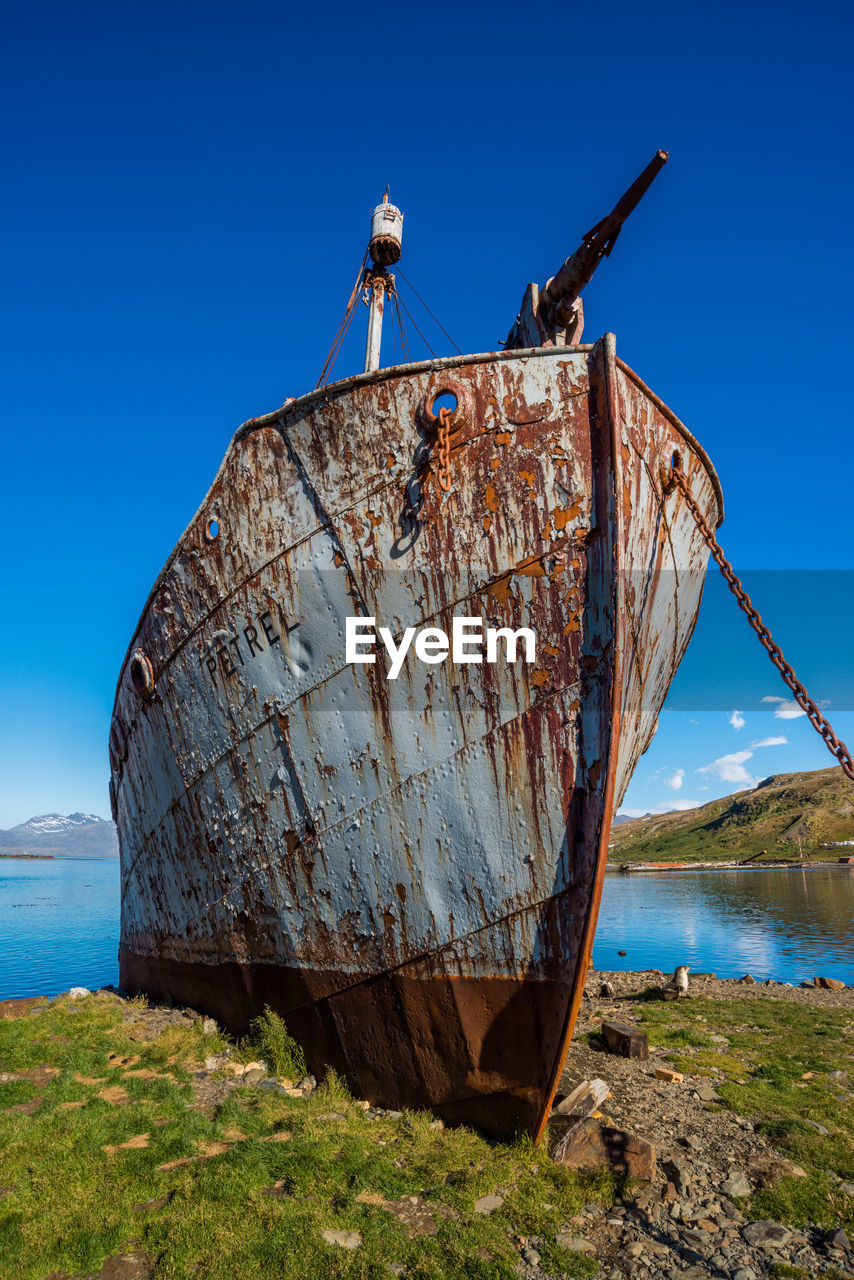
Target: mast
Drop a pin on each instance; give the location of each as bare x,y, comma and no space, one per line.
384,248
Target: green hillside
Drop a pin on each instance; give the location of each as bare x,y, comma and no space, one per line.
816,806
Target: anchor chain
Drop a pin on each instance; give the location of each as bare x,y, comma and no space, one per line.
775,653
444,443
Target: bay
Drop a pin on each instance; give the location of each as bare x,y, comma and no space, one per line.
59,923
785,924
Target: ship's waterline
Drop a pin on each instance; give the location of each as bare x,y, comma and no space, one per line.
409,869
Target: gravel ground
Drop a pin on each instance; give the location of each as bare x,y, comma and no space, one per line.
685,1224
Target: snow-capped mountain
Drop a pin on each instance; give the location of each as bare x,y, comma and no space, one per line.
75,835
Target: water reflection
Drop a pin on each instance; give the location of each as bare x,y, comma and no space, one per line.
787,925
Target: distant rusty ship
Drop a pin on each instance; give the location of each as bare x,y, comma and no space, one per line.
409,870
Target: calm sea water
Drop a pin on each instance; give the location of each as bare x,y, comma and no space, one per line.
787,924
59,923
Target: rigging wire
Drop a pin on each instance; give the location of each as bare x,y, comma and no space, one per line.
417,330
427,309
341,332
404,341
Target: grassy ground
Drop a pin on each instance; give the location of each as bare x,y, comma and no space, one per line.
773,1045
103,1148
264,1174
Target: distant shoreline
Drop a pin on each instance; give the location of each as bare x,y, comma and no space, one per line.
29,856
806,865
61,857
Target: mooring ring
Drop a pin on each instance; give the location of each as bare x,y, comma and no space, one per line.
441,385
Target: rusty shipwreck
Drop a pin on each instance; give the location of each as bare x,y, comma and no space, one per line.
410,870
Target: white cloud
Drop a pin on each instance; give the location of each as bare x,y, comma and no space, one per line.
786,708
737,720
731,768
770,742
674,782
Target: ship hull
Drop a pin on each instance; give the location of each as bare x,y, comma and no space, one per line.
408,869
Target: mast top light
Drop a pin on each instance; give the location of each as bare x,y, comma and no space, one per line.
386,233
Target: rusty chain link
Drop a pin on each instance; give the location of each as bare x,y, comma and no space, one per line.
444,441
775,653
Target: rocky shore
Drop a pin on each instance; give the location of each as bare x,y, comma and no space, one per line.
689,1220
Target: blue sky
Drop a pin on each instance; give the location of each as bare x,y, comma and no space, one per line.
189,190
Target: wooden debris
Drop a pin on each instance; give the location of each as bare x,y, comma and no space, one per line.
583,1100
627,1041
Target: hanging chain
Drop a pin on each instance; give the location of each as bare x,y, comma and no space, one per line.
444,441
775,653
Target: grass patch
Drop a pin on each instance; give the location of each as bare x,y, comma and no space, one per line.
269,1037
257,1206
772,1045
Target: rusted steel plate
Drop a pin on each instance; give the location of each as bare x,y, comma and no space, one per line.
407,869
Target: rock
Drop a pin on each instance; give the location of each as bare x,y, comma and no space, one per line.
255,1076
530,1256
679,1174
736,1184
346,1239
574,1244
744,1273
767,1235
748,977
621,953
627,1041
293,1091
838,1240
436,1124
810,983
488,1204
847,1188
331,1115
77,993
635,1249
591,1145
705,1093
838,1077
606,990
209,1027
672,1077
767,1169
819,1128
273,1086
308,1083
829,984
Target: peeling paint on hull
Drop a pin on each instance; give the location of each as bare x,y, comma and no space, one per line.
408,870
